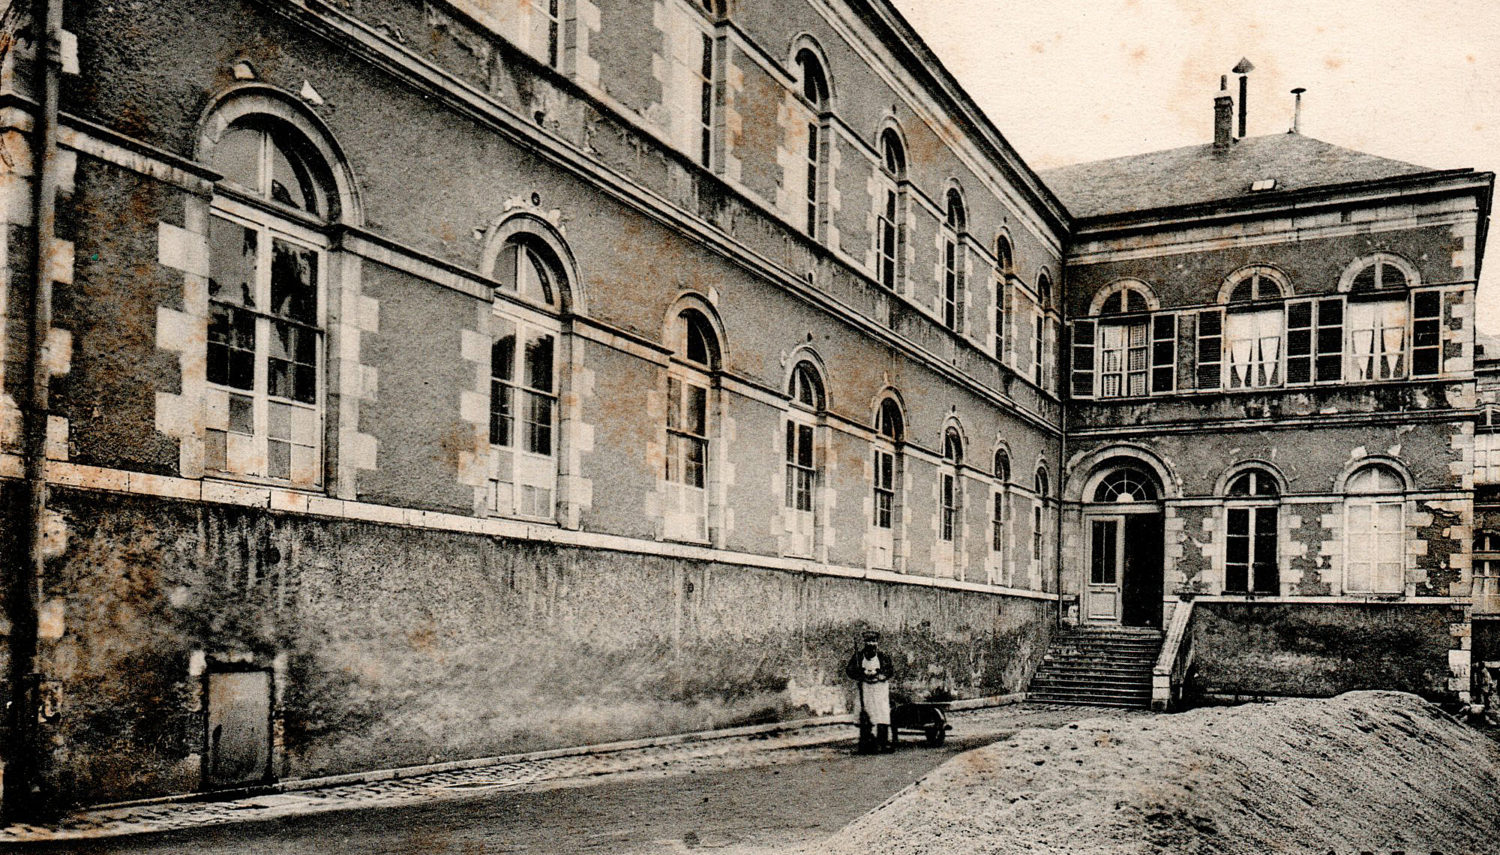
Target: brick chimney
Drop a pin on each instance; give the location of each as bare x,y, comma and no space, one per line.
1223,117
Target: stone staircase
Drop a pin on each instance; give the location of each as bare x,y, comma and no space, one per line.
1099,667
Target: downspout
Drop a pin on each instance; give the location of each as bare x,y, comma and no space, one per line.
24,792
1062,462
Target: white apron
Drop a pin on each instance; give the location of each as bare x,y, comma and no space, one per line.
875,696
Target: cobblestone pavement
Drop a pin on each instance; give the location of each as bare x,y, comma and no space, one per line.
970,728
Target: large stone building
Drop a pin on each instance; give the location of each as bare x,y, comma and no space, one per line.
427,380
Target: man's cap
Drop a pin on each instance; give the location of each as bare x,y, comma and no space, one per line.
872,636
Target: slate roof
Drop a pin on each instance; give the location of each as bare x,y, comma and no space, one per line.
1197,174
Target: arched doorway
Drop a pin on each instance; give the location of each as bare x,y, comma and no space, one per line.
1123,523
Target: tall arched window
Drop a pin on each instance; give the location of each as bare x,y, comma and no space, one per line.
267,279
690,419
1376,317
802,463
890,431
950,488
815,95
1253,326
890,227
955,224
1005,263
1124,341
1039,518
1251,560
524,378
1041,352
1374,532
1000,519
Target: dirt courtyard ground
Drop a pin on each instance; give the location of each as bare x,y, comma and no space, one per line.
1378,772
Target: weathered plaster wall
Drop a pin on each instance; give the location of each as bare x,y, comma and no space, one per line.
1321,649
403,646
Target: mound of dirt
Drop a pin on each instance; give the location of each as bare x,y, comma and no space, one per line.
1366,771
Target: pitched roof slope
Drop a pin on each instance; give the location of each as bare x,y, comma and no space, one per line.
1197,174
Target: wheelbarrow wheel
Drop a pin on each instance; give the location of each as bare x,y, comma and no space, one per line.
936,735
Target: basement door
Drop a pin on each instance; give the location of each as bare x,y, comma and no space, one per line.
1125,569
239,729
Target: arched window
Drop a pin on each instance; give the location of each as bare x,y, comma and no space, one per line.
815,93
1005,259
802,464
1253,325
1000,517
1125,339
524,378
1125,485
890,229
1126,300
1380,274
814,79
527,268
949,486
268,267
1041,351
1005,266
886,504
1375,532
1252,564
1253,284
1038,520
1376,317
690,424
954,225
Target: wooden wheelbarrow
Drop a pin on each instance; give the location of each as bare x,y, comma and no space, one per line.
929,718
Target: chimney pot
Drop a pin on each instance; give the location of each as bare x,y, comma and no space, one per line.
1297,111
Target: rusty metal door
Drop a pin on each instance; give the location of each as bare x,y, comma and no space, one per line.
239,729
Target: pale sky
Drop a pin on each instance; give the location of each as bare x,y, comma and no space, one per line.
1075,80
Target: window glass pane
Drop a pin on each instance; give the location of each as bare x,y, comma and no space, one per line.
286,377
697,411
804,446
536,276
501,413
694,464
242,415
237,156
503,351
539,348
294,278
231,347
291,183
538,423
232,261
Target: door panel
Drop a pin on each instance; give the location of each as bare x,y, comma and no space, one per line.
1105,535
239,728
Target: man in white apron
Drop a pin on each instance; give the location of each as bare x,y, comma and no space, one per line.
871,670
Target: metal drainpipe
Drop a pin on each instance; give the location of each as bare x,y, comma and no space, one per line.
24,793
1062,462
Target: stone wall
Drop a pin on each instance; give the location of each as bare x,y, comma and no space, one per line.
394,645
1322,649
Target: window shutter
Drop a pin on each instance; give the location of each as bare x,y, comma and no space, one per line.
1299,343
1164,353
1453,330
1329,346
1082,362
1426,332
1210,348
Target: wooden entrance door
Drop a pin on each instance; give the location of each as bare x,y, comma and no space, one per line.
1125,569
1106,566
